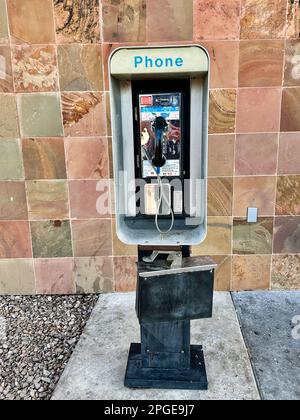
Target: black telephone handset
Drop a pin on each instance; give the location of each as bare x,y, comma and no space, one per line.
160,126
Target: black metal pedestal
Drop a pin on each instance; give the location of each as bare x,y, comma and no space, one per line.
166,360
167,299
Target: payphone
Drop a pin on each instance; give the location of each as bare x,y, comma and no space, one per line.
161,129
159,112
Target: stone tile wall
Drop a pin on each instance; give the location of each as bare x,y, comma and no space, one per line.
55,139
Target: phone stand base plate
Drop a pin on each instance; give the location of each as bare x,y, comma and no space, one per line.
193,378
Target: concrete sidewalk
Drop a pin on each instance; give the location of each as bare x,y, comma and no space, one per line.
97,368
273,340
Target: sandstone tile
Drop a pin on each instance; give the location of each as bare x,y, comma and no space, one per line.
51,239
256,154
77,21
17,277
92,238
107,49
286,272
224,57
40,115
13,201
288,195
15,240
216,19
218,240
84,114
110,153
251,272
6,79
119,248
289,154
125,272
290,117
258,110
124,20
35,68
292,63
219,198
9,126
108,114
80,67
44,158
90,199
263,19
11,165
222,112
4,38
179,17
31,21
253,238
221,155
287,235
261,63
223,272
256,191
54,276
87,158
47,200
94,275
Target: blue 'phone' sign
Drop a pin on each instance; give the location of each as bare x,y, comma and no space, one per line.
148,62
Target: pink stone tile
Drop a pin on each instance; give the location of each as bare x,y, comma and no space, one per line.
289,154
44,158
125,273
261,63
258,110
87,158
54,276
290,117
90,199
287,235
254,191
31,21
13,205
178,14
221,155
216,19
224,63
15,240
84,114
92,238
256,154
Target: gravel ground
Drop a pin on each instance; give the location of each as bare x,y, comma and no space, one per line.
37,337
